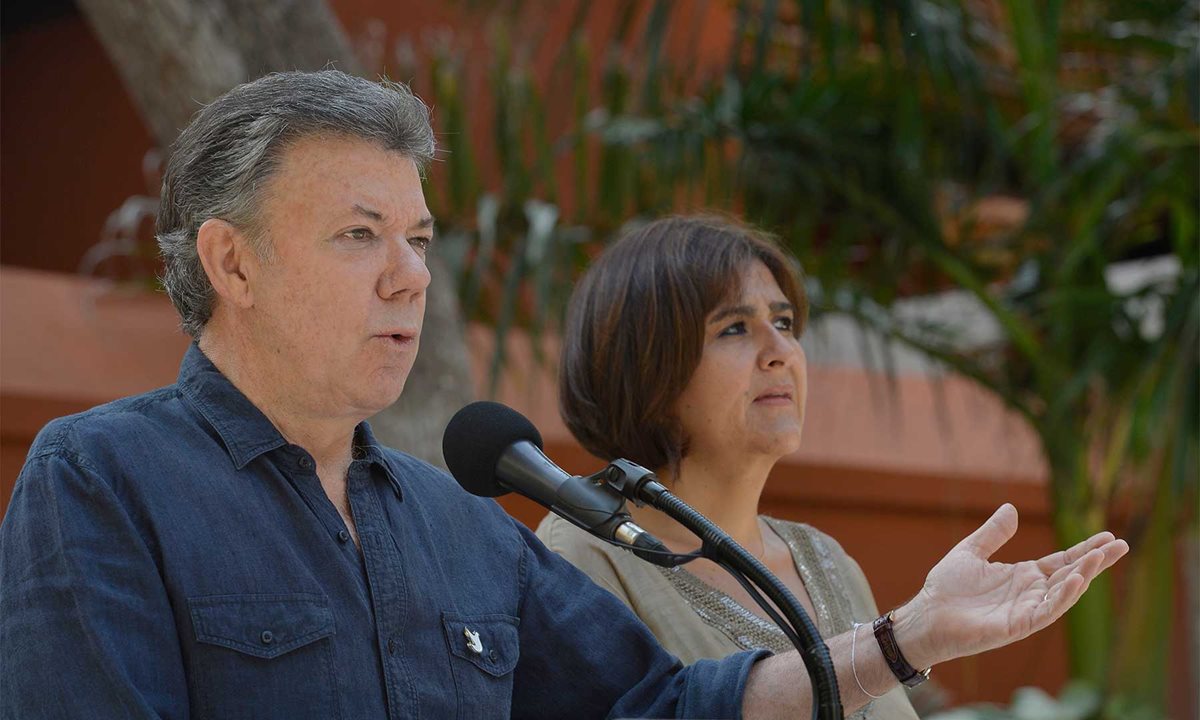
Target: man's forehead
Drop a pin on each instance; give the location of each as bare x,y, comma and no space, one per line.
352,176
323,148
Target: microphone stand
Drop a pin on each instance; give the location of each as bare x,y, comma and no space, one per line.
641,486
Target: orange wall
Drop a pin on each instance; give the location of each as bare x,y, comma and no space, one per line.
71,141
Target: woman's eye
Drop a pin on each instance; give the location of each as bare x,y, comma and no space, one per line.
738,328
784,323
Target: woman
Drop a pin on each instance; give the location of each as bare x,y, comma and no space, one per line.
682,354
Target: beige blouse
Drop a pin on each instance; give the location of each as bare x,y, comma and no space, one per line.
694,620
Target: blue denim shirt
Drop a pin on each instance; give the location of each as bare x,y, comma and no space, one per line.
172,555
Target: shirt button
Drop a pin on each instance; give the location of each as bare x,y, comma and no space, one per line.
392,646
492,656
267,637
305,462
343,536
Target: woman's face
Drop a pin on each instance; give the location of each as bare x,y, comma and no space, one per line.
747,396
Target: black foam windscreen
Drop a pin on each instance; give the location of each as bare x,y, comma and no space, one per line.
476,437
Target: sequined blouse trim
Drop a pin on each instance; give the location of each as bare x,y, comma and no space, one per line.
819,573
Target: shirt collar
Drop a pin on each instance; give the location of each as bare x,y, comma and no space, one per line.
364,440
242,427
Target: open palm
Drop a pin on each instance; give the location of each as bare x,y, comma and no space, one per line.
969,605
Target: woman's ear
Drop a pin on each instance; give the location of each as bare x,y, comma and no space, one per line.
228,260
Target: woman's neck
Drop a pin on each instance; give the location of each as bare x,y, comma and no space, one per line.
726,495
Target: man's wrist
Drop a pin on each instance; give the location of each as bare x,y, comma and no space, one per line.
913,634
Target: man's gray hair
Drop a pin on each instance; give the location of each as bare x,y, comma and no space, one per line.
227,153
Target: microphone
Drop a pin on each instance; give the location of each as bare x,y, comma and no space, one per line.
492,449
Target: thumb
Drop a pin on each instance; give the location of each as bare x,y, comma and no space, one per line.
993,533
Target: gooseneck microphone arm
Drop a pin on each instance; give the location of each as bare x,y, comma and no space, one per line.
642,487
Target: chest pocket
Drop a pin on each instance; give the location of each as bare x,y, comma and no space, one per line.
484,650
262,654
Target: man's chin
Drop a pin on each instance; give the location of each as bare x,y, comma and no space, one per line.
383,393
387,397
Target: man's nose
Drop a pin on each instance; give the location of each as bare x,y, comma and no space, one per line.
406,271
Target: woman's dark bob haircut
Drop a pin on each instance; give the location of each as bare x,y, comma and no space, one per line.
635,330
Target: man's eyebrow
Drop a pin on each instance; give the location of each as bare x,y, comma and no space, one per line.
424,223
368,212
748,311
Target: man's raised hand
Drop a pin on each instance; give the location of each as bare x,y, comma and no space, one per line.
969,604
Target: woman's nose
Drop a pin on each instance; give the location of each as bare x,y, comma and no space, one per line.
778,348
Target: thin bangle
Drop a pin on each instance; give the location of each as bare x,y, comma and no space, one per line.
853,667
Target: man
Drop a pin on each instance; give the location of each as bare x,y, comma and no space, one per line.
239,545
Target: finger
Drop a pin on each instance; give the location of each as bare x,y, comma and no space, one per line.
1113,552
1052,604
1063,596
993,533
1107,556
1054,561
1088,567
1072,583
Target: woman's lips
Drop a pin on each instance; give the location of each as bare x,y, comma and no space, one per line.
775,396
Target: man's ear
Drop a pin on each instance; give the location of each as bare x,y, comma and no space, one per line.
228,260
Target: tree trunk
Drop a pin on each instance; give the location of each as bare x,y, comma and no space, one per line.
175,55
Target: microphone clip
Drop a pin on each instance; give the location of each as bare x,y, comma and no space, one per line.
634,482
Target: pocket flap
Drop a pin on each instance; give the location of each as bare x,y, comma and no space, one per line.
265,626
489,642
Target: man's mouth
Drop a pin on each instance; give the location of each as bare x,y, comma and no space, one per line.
399,339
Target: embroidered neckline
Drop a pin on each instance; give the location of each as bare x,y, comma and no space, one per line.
818,571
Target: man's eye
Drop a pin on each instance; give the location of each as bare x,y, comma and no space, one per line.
360,234
420,243
738,328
